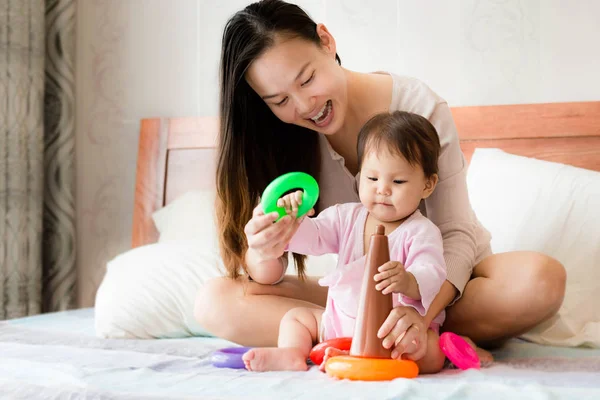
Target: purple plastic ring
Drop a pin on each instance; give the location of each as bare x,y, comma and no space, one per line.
230,357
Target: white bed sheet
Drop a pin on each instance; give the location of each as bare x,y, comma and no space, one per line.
58,356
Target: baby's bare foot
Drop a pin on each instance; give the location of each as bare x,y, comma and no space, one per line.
329,353
275,359
485,357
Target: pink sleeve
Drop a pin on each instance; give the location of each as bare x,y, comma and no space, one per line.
318,235
448,207
425,260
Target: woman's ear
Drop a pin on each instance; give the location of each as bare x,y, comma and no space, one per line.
430,184
327,40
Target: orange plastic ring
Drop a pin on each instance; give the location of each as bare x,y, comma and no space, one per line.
318,352
370,369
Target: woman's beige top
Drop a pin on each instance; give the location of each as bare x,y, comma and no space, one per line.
465,239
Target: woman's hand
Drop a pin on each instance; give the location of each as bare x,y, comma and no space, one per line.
267,240
405,331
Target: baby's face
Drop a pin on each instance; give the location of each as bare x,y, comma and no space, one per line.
390,187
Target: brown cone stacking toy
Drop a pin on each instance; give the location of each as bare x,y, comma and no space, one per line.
368,360
374,307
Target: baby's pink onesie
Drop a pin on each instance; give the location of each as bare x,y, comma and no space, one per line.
417,244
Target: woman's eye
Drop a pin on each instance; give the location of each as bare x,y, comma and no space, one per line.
282,102
309,79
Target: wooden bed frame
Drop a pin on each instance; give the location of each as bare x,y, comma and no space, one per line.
177,154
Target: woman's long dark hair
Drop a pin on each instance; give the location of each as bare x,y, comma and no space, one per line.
255,146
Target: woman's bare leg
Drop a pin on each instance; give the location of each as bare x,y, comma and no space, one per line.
509,294
249,313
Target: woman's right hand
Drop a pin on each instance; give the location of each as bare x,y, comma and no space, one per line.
268,240
405,332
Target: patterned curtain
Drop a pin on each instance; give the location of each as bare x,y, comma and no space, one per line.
37,143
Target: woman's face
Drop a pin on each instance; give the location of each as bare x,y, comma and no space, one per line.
301,82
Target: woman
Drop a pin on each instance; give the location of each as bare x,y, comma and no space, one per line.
281,83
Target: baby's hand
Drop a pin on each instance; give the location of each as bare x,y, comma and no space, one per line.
393,278
291,202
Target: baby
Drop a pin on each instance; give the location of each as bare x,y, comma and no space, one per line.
397,156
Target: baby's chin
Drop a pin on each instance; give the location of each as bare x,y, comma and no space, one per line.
385,216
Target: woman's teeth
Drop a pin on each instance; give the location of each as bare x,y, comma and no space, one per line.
323,113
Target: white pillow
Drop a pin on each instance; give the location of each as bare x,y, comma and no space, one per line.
552,208
190,216
149,292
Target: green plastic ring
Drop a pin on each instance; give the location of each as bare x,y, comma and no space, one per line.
291,180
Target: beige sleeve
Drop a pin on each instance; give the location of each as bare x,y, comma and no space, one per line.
449,207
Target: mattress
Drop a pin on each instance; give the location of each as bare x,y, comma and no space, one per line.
58,356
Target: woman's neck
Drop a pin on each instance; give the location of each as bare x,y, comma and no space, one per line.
367,95
357,112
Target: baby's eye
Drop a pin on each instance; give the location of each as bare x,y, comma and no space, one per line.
371,178
399,182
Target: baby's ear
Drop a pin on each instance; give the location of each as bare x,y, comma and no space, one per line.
430,184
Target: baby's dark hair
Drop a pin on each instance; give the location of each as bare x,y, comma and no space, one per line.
409,135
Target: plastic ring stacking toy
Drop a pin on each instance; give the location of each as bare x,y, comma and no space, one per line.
458,351
291,180
318,352
370,369
230,357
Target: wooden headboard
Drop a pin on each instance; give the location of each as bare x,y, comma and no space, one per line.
177,154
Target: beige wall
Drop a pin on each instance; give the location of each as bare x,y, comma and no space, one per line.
145,58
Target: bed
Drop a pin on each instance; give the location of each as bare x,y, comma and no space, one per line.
60,355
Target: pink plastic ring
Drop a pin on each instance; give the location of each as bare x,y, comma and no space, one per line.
458,351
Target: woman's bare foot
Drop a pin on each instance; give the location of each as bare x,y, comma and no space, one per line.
275,359
329,353
485,357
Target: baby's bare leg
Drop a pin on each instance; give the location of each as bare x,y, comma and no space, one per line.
433,361
298,331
